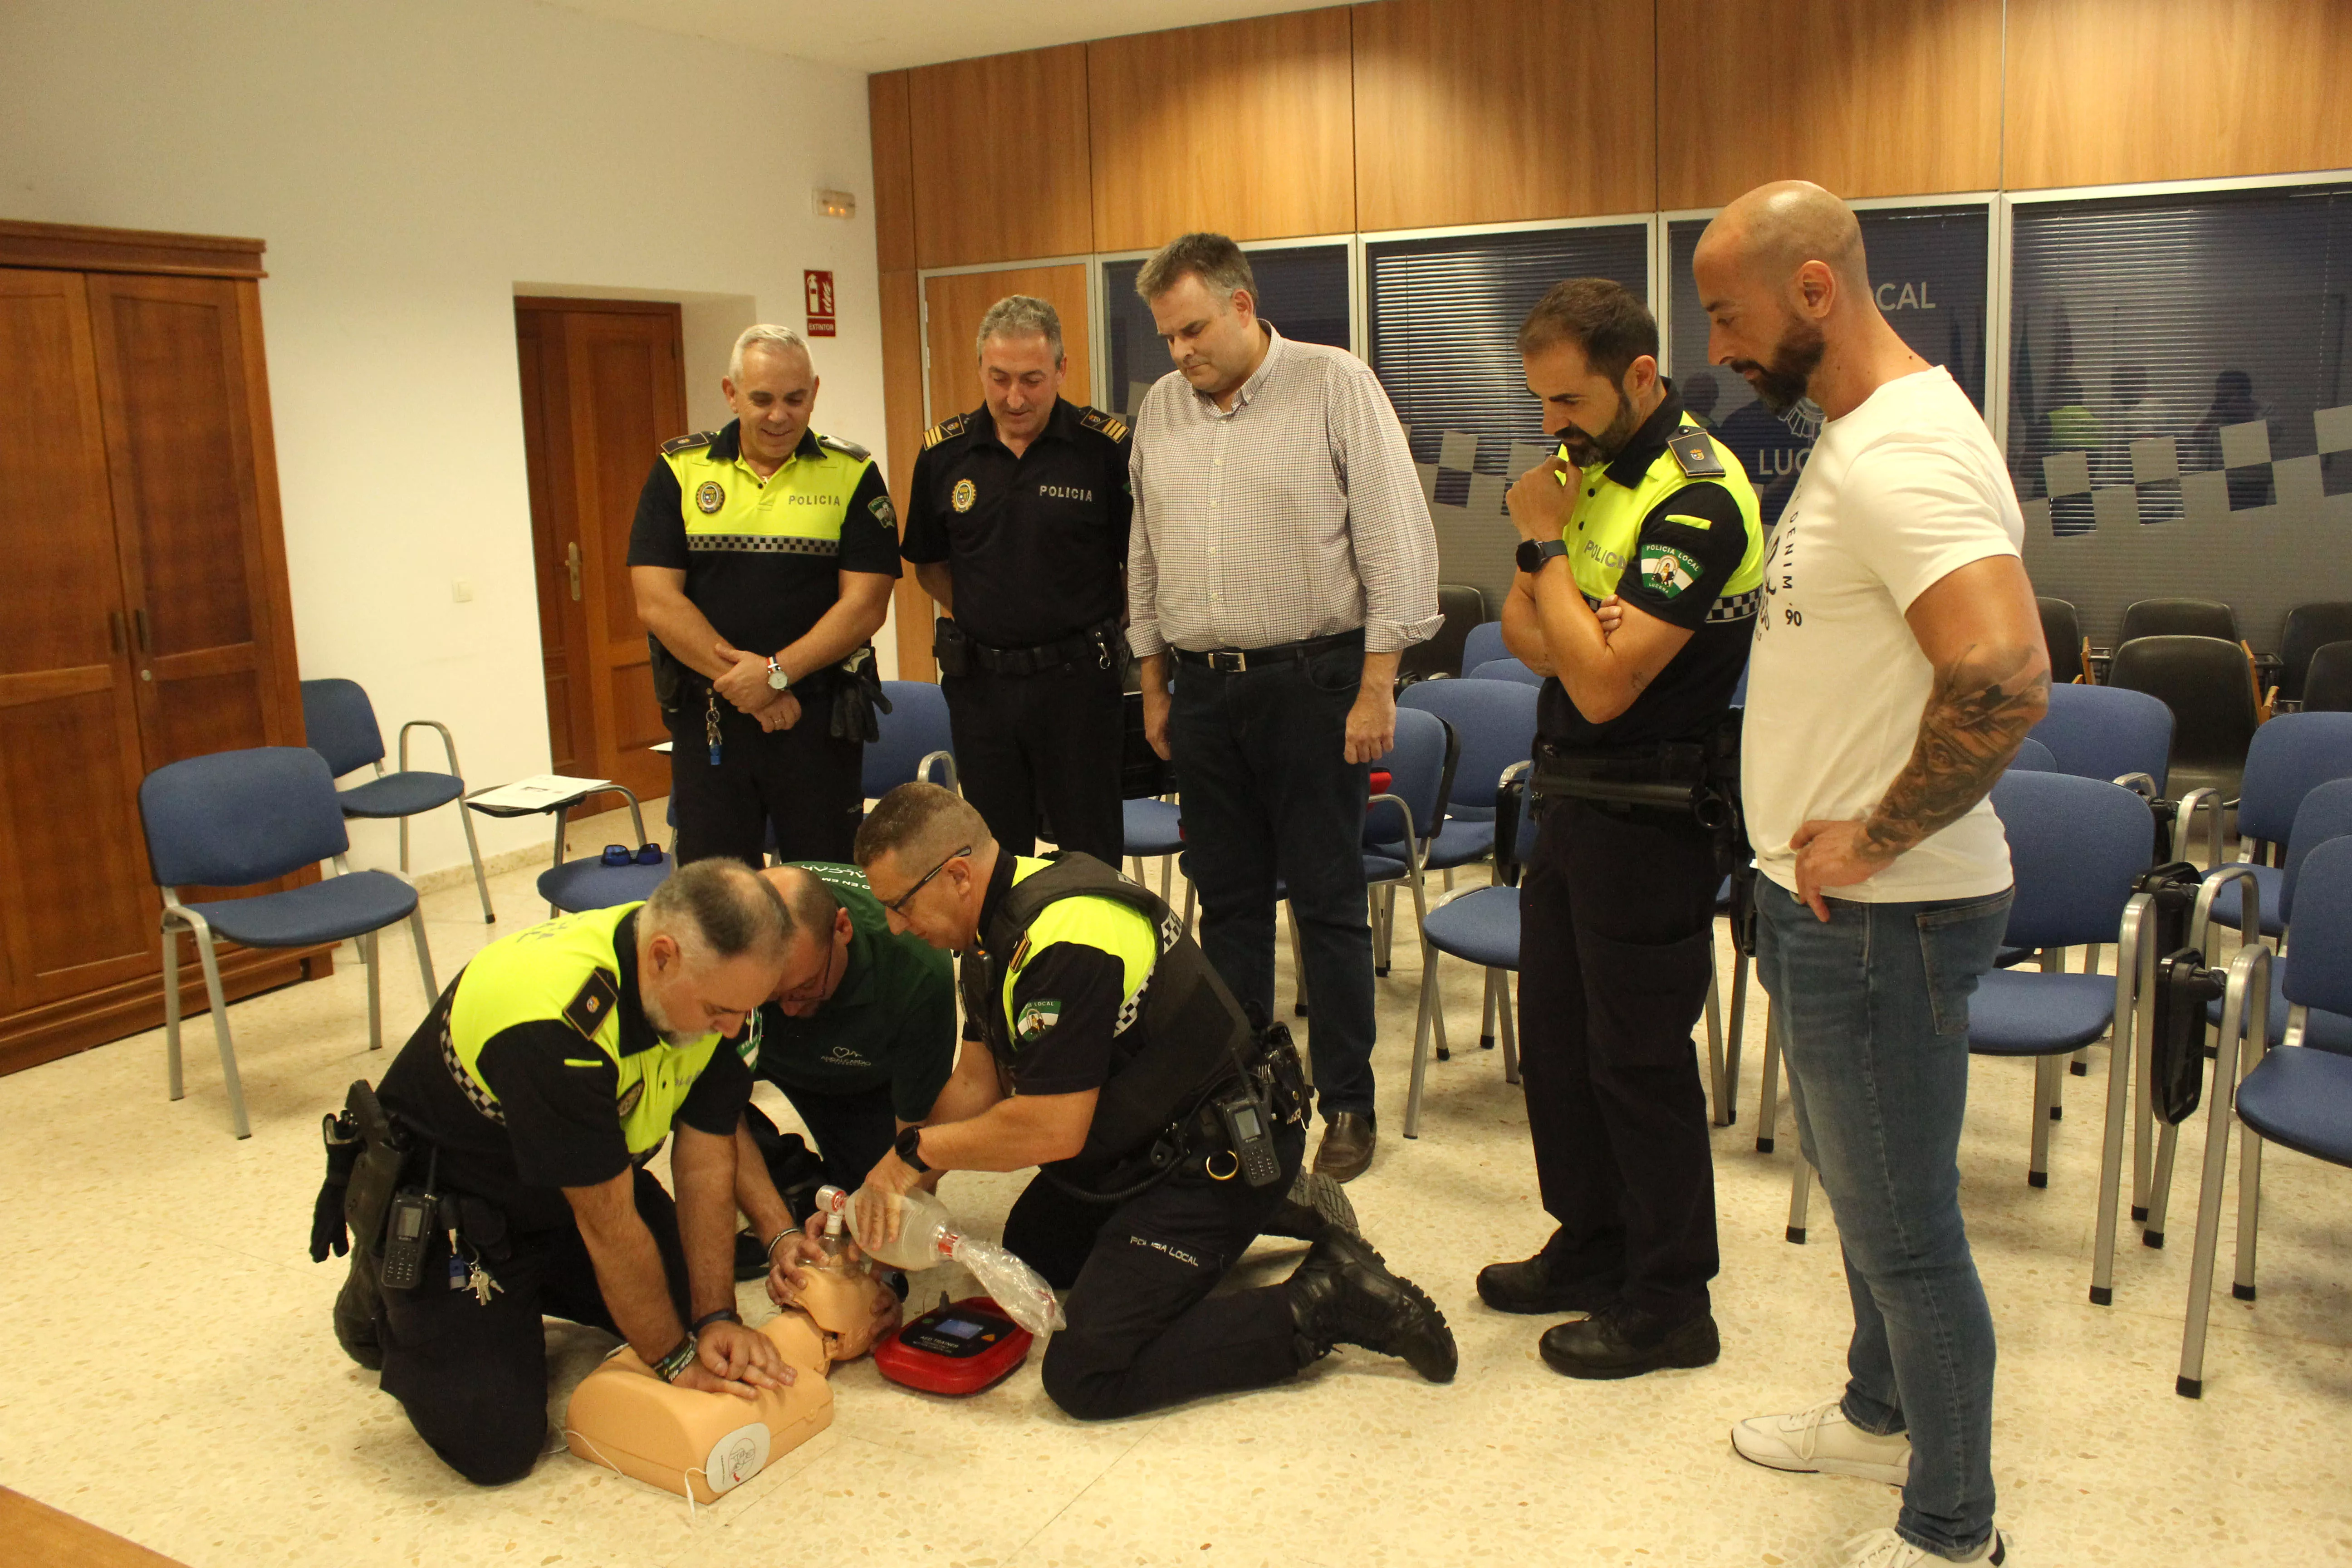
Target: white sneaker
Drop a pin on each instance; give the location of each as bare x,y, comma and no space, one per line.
1823,1441
1885,1549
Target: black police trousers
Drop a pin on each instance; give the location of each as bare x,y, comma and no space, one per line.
473,1378
800,783
1144,1329
1616,922
1052,739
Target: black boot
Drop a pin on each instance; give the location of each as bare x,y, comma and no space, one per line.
1316,1204
1538,1285
1623,1340
1343,1294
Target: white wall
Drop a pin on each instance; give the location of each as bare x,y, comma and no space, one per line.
409,162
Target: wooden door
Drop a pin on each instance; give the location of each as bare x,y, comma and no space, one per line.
612,389
73,863
188,515
555,543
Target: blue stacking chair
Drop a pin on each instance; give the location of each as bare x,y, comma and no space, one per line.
915,739
338,724
1496,723
237,818
1482,927
587,883
1484,645
2107,732
1400,823
2299,1095
2290,756
1155,829
2076,847
2325,814
1505,670
2033,757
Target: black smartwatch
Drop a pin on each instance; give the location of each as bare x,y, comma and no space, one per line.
1534,552
910,1146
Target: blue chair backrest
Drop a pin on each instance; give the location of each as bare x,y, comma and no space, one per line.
2292,753
1495,722
338,724
2325,812
1739,691
2105,732
2033,757
2074,844
916,726
2319,951
1484,645
1415,764
235,818
1505,669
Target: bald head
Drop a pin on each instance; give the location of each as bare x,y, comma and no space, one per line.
1774,230
807,901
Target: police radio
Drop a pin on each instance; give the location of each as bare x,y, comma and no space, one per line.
1244,1122
408,1231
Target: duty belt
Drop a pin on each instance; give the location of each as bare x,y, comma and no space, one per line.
1095,645
1231,661
1671,776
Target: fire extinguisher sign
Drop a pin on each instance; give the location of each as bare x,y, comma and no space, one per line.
820,318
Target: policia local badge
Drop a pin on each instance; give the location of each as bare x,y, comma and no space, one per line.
1036,1019
1668,571
710,497
963,495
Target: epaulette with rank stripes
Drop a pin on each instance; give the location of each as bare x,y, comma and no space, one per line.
1110,425
688,443
849,448
952,425
1694,454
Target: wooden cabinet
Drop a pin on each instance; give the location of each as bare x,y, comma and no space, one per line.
147,617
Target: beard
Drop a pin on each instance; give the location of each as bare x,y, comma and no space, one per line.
659,1018
1588,451
1782,383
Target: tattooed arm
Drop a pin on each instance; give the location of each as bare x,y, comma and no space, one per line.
1982,632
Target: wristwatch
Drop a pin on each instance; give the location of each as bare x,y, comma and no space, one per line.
1534,552
777,680
909,1147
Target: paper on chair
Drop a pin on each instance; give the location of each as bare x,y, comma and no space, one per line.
538,793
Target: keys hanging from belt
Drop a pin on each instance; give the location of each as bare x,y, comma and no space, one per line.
710,727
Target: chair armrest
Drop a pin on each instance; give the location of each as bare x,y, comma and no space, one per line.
946,758
448,745
1416,849
2250,908
2141,784
2182,825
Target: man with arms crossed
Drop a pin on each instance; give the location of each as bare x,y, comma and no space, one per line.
1898,662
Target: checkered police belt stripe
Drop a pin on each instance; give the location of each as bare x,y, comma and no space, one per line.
475,1092
764,543
1737,608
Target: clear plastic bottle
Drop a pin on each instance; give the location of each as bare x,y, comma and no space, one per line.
928,1235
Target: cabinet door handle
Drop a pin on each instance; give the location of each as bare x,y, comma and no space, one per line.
114,630
571,559
138,620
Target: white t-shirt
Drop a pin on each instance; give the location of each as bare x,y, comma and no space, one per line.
1898,494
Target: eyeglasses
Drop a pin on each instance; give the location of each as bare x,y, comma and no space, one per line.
621,855
814,990
898,906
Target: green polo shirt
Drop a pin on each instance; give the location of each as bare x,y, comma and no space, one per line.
890,1022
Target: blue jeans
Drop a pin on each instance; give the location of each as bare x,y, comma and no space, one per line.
1268,794
1874,1012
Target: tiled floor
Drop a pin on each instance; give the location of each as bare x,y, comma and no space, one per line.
169,1372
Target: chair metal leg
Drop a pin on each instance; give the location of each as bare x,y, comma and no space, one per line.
1421,923
2159,1192
2250,1209
237,1121
1801,1199
2046,1079
1383,928
473,853
403,836
1486,1014
1767,1098
1188,906
1734,1037
1167,876
424,955
171,1077
1430,1003
369,955
2249,976
1137,861
2122,1053
1509,1010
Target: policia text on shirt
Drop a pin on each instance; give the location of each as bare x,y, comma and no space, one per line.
762,558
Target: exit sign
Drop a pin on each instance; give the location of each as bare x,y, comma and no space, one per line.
821,318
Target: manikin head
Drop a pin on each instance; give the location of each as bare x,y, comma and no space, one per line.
1203,300
1783,280
1021,365
771,384
927,856
710,947
816,957
1590,351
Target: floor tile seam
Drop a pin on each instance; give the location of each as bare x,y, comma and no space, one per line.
1079,1496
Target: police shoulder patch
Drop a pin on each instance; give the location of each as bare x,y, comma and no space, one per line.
1036,1019
1666,571
943,430
1694,454
1110,425
847,448
594,1002
688,443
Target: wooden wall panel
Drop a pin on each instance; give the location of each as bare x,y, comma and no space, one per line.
1870,98
902,417
2109,91
955,305
894,171
1247,128
1000,157
1503,110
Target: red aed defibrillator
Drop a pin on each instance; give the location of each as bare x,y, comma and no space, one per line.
956,1348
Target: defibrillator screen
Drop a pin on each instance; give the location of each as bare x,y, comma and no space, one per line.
1245,1121
956,1328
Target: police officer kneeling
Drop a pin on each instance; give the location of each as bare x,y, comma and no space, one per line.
530,1100
1169,1130
1635,778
